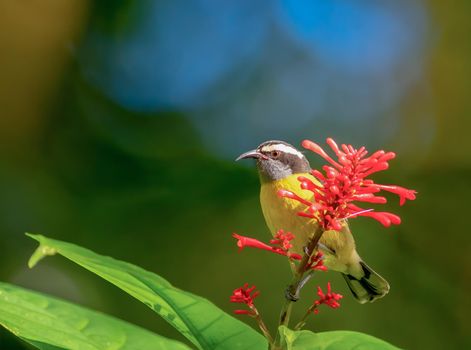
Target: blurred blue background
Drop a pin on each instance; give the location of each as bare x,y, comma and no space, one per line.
121,121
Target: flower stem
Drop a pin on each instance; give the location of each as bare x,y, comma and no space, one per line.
294,287
262,325
302,322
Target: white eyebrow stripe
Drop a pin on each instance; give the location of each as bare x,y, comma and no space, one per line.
282,148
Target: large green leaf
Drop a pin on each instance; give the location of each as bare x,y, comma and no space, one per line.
204,324
335,340
49,323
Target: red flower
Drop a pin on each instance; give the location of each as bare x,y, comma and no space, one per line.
345,181
283,240
245,295
281,244
330,299
316,262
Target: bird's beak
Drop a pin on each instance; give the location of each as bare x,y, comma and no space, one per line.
251,154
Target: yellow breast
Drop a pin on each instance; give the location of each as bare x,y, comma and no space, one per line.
281,213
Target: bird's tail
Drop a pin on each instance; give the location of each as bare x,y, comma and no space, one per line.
369,287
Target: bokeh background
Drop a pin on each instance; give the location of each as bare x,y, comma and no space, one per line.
120,122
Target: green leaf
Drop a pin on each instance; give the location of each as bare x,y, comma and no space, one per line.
335,340
49,323
204,324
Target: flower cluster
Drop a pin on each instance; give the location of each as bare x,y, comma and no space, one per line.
283,240
245,295
330,299
280,244
344,182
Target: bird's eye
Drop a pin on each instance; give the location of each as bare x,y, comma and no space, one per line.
275,154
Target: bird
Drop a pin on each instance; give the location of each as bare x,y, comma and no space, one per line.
279,165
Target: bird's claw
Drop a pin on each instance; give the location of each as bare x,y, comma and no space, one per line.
290,296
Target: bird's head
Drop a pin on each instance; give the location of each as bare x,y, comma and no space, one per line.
277,160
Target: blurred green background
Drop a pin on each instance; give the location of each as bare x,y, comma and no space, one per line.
120,122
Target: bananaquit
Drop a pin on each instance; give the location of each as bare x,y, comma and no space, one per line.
279,164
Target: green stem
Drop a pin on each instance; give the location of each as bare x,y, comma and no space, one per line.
264,328
302,322
262,325
293,288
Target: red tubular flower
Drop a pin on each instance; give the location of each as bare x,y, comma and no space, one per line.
243,241
281,244
316,262
283,240
245,295
345,181
330,299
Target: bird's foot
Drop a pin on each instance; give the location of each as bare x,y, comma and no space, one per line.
290,296
303,282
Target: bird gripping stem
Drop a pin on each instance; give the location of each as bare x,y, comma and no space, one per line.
292,292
